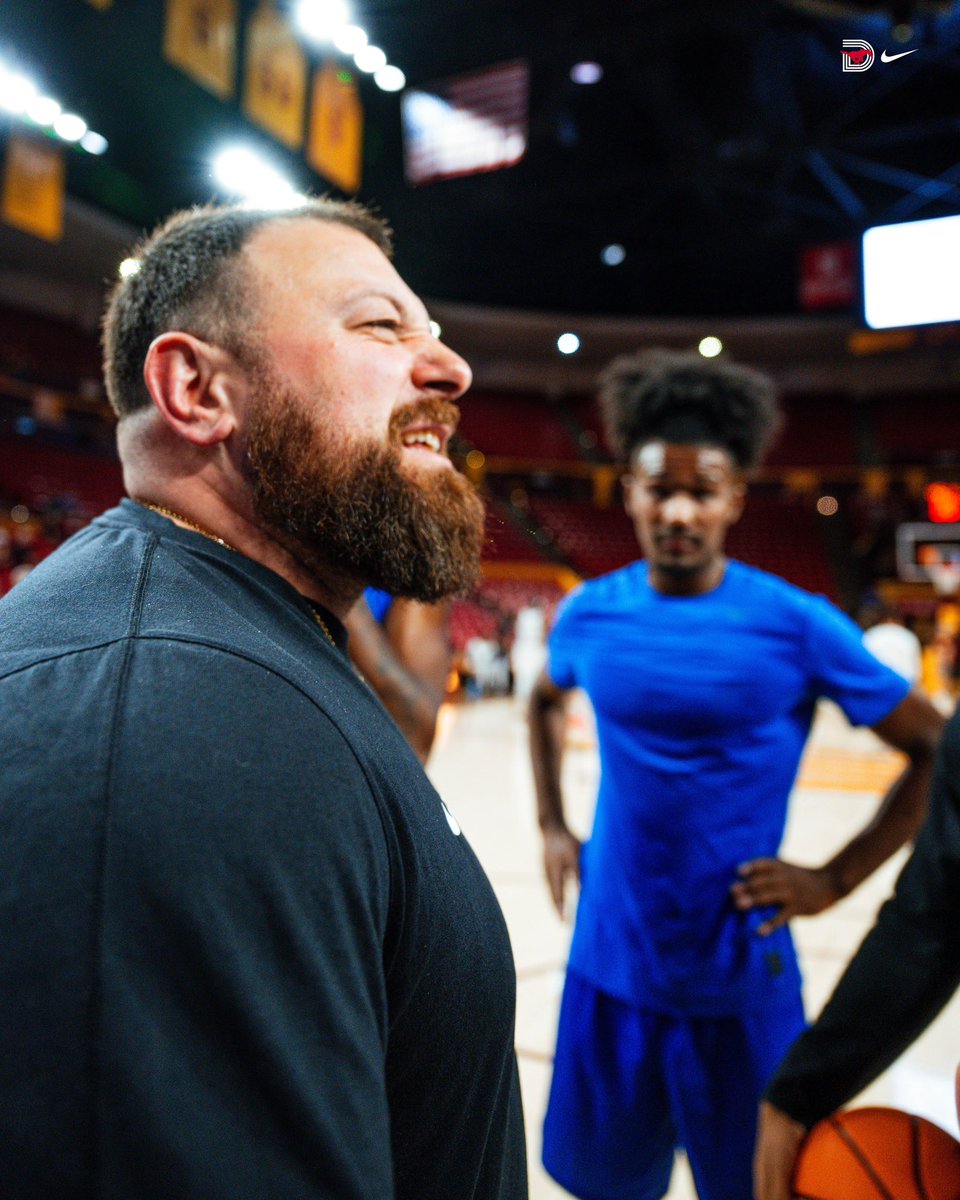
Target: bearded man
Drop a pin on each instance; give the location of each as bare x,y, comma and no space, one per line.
247,950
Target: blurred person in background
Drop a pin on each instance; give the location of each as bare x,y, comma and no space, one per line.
886,637
402,649
683,988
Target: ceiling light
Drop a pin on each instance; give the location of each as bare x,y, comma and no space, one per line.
370,59
245,174
319,20
70,127
43,110
350,39
17,92
586,72
613,255
129,266
19,95
390,79
435,329
94,143
710,347
568,343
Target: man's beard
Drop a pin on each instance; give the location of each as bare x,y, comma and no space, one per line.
350,509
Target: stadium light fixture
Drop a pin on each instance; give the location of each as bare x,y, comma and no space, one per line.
613,255
17,92
245,174
568,343
350,39
370,59
320,20
20,96
586,72
70,127
94,143
44,110
390,79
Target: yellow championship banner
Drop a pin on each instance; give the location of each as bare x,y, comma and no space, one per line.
33,186
335,148
200,37
275,87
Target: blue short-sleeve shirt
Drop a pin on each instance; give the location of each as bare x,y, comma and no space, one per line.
703,705
379,603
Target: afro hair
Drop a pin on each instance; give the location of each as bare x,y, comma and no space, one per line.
682,397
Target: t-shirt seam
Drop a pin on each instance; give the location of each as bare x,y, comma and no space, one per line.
102,854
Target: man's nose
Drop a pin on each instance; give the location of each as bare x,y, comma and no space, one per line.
439,369
679,508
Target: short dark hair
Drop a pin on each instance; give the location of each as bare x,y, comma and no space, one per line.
681,397
190,277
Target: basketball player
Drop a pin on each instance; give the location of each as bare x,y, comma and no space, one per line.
683,989
905,971
247,952
402,648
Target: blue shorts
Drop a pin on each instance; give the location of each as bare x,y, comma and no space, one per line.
630,1085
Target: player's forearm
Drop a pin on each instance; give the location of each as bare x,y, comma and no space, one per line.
546,722
896,822
411,702
412,705
903,974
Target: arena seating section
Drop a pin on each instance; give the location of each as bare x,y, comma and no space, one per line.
927,429
520,426
43,476
542,458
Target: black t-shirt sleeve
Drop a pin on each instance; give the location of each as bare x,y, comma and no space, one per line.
244,911
904,973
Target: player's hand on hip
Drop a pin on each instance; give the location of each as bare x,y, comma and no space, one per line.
793,890
778,1139
561,861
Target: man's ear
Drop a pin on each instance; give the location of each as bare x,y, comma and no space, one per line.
194,386
738,499
627,482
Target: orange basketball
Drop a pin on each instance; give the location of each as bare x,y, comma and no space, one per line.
877,1154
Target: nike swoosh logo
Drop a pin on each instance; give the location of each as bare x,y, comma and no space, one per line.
885,57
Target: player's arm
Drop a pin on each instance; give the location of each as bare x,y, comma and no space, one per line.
913,727
778,1140
406,662
903,974
561,850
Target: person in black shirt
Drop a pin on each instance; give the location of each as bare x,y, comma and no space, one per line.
247,950
905,971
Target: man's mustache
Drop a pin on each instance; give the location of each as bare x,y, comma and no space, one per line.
430,411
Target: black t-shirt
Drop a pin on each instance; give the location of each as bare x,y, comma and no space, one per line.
246,951
905,971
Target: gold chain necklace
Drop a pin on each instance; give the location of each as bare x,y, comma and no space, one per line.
171,515
175,516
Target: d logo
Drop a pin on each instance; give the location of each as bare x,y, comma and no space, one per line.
857,55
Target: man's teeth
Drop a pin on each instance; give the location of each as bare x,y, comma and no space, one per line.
422,439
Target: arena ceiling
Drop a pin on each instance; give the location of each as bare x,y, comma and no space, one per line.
723,137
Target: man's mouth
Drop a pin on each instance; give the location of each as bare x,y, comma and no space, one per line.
674,543
423,432
423,437
427,443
